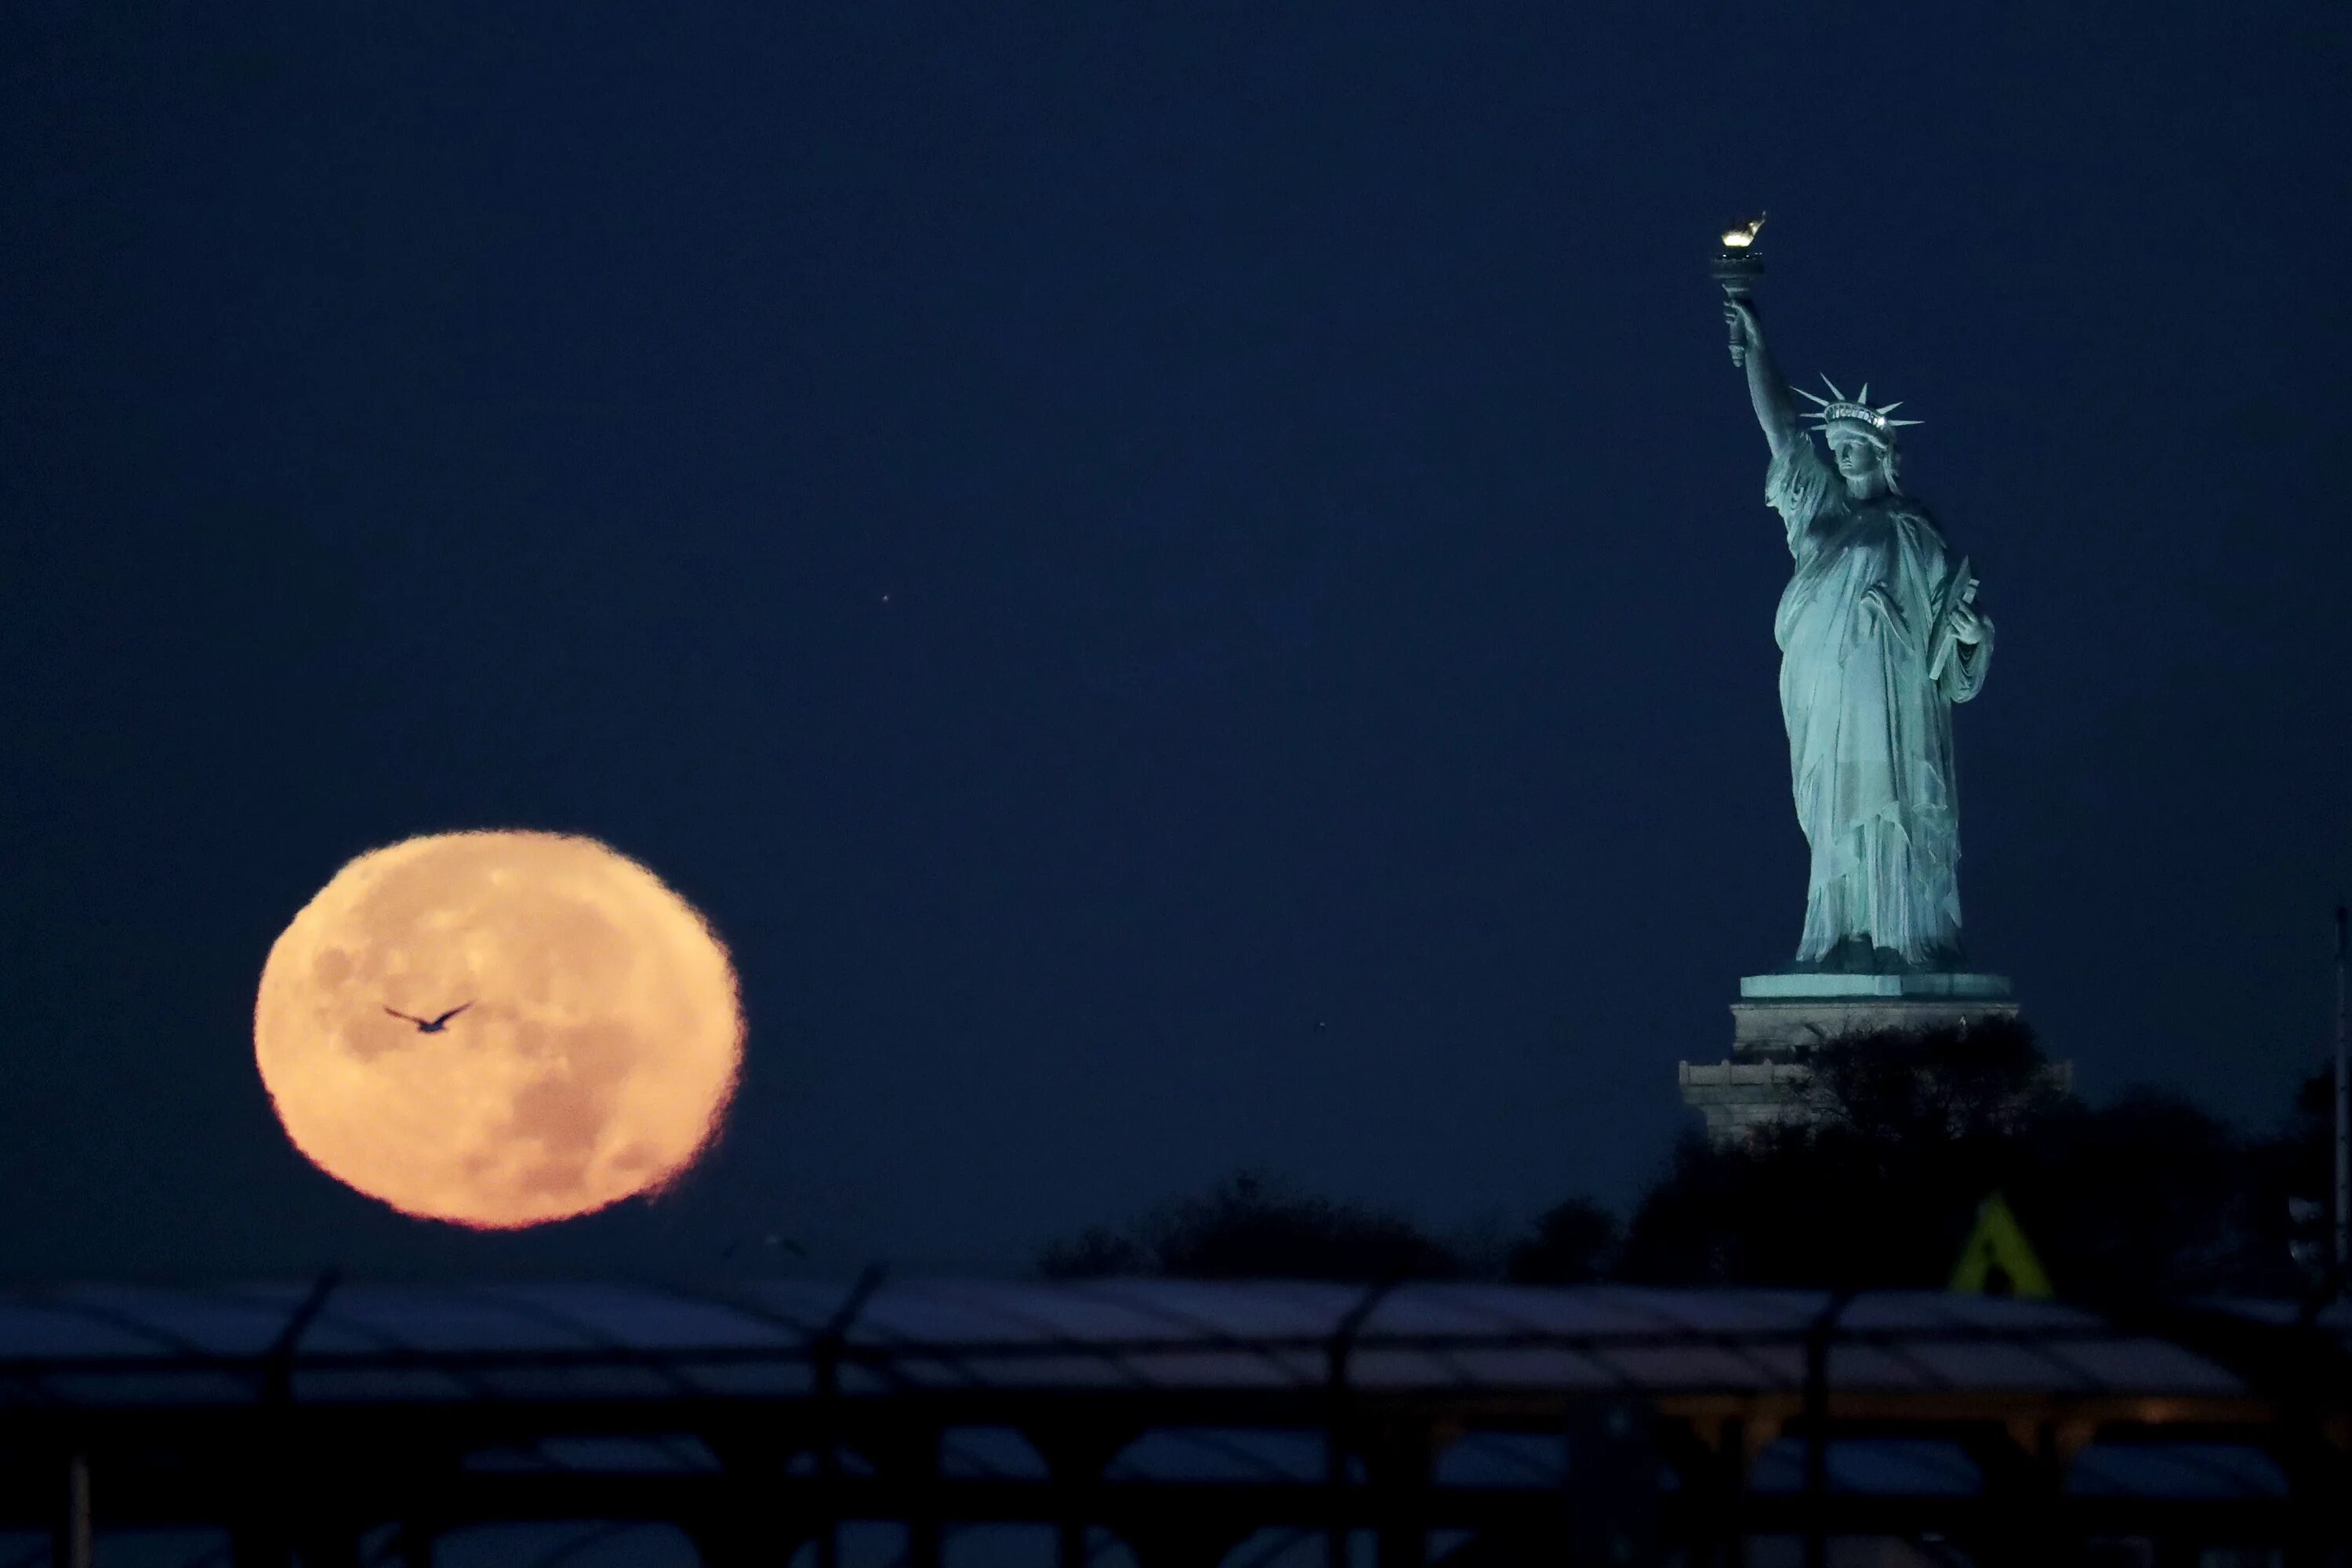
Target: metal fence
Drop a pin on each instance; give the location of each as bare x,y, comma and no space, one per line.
1171,1422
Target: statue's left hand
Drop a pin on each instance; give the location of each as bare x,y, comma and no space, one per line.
1967,627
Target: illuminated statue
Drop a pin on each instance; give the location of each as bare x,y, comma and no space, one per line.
1879,637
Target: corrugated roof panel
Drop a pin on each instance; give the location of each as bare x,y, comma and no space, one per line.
667,1454
1865,1366
1311,1364
1274,1309
856,1379
369,1386
446,1318
1372,1366
1992,1363
847,1461
1880,1467
1023,1311
918,1370
748,1379
30,1331
645,1341
1535,1461
1697,1364
1722,1312
157,1387
215,1322
967,1452
589,1380
1536,1366
2143,1365
1224,1454
1220,1369
1780,1363
1295,1547
1940,1311
2187,1470
648,1319
664,1455
321,1335
916,1315
1436,1309
1109,1312
1074,1369
1586,1309
810,1304
604,1543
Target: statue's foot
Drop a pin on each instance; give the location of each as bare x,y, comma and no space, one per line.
1855,956
1860,955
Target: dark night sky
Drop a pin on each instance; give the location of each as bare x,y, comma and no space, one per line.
1183,590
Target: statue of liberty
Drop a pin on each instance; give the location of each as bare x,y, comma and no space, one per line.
1879,637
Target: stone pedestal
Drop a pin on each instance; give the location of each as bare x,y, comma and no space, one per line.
1779,1019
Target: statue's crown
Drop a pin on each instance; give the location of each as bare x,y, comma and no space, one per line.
1837,408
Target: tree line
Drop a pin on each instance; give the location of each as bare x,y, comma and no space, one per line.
1905,1133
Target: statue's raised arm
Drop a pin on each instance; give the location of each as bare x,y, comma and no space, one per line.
1775,410
1880,635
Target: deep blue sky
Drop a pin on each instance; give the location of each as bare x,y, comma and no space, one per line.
1184,589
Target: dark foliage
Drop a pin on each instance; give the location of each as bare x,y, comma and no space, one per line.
1572,1243
1248,1228
2150,1197
2145,1199
1962,1086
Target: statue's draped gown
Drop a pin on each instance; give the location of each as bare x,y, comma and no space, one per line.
1870,736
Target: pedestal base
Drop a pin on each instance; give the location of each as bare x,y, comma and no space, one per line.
1779,1019
1778,1016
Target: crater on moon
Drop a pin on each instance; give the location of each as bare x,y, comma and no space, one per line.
598,1044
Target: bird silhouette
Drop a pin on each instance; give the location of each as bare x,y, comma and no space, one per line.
434,1025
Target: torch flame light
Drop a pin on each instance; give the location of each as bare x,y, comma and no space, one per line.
1736,267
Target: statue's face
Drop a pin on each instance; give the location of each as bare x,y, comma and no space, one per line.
1857,461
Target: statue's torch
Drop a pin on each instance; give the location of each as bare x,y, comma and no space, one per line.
1736,267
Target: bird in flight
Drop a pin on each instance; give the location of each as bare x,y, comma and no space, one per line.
434,1025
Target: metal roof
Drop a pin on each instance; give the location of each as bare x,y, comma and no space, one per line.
113,1346
1156,1410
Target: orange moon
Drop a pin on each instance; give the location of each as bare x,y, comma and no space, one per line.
598,1046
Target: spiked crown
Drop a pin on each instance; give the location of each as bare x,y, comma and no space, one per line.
1856,413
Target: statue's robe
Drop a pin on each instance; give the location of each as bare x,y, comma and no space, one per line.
1870,735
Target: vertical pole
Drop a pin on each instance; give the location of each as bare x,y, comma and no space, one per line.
75,1548
1817,1445
2342,1115
827,1357
826,1353
925,1535
1818,1335
1338,1428
1734,1454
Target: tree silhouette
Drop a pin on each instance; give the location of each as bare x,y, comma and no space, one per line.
2147,1198
1250,1226
1572,1243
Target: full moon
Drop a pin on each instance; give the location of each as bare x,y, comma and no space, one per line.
498,1029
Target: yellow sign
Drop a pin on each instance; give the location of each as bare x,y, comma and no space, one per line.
1998,1260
